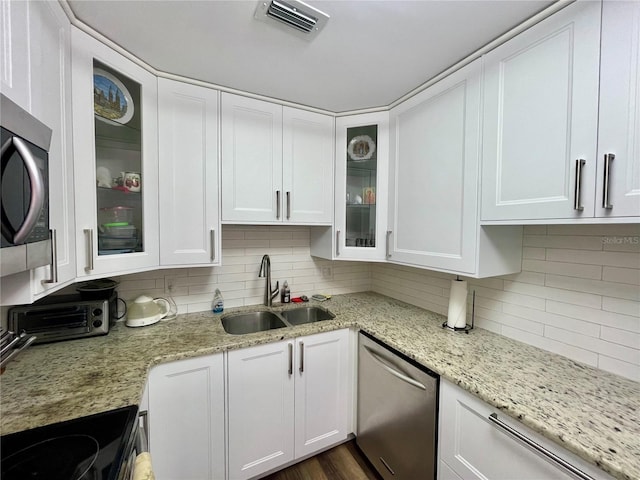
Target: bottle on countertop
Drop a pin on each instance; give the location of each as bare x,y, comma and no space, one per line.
217,305
285,294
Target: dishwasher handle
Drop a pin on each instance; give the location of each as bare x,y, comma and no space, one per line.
393,371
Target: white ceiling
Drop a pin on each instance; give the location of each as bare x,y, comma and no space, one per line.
369,54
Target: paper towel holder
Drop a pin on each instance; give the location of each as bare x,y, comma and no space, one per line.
467,327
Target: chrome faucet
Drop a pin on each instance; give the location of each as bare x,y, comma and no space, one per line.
265,271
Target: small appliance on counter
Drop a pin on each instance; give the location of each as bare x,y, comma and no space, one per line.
97,447
88,313
146,310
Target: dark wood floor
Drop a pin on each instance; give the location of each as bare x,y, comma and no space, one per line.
344,462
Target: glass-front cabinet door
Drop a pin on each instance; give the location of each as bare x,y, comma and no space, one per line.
116,158
362,149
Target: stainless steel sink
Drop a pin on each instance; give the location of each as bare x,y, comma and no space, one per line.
251,322
298,316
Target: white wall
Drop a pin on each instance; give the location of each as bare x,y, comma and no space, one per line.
242,250
578,294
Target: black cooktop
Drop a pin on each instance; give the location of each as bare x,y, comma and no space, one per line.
96,447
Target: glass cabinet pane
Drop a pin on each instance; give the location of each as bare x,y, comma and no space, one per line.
361,186
118,141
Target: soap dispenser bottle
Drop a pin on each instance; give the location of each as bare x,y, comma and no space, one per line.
217,305
286,293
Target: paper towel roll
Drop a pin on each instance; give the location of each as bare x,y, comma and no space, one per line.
457,315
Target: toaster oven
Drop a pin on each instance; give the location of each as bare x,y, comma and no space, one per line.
63,317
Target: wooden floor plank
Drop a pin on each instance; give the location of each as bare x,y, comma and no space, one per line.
344,462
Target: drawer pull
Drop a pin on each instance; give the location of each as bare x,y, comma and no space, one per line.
539,448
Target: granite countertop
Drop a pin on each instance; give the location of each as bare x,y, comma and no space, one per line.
590,412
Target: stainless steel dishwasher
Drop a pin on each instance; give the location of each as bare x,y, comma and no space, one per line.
397,412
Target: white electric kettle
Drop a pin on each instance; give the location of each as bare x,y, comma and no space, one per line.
146,311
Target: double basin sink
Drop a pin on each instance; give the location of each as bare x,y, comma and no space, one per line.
260,321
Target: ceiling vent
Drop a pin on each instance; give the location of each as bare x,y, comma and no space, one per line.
304,20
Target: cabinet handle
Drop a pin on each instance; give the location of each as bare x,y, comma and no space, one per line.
288,205
89,234
539,448
278,204
337,243
393,371
301,357
290,346
577,204
608,158
54,258
389,232
212,241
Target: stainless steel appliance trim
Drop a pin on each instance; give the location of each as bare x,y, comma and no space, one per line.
89,234
577,202
608,158
38,189
301,357
212,241
54,258
143,431
278,204
22,123
290,347
395,420
288,205
337,243
384,462
393,371
539,448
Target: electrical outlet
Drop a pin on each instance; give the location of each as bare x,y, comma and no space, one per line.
169,285
327,272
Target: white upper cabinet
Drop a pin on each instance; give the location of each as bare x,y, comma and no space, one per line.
277,163
618,177
115,121
362,175
307,166
188,174
39,80
433,188
541,119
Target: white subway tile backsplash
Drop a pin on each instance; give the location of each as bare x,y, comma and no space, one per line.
621,275
578,294
546,318
619,367
597,287
533,253
578,242
578,282
613,259
617,305
570,351
609,349
621,337
568,296
600,317
562,268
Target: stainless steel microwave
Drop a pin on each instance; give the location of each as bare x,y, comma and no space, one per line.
24,192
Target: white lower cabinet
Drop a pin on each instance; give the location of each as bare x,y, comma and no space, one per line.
472,446
186,419
287,400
